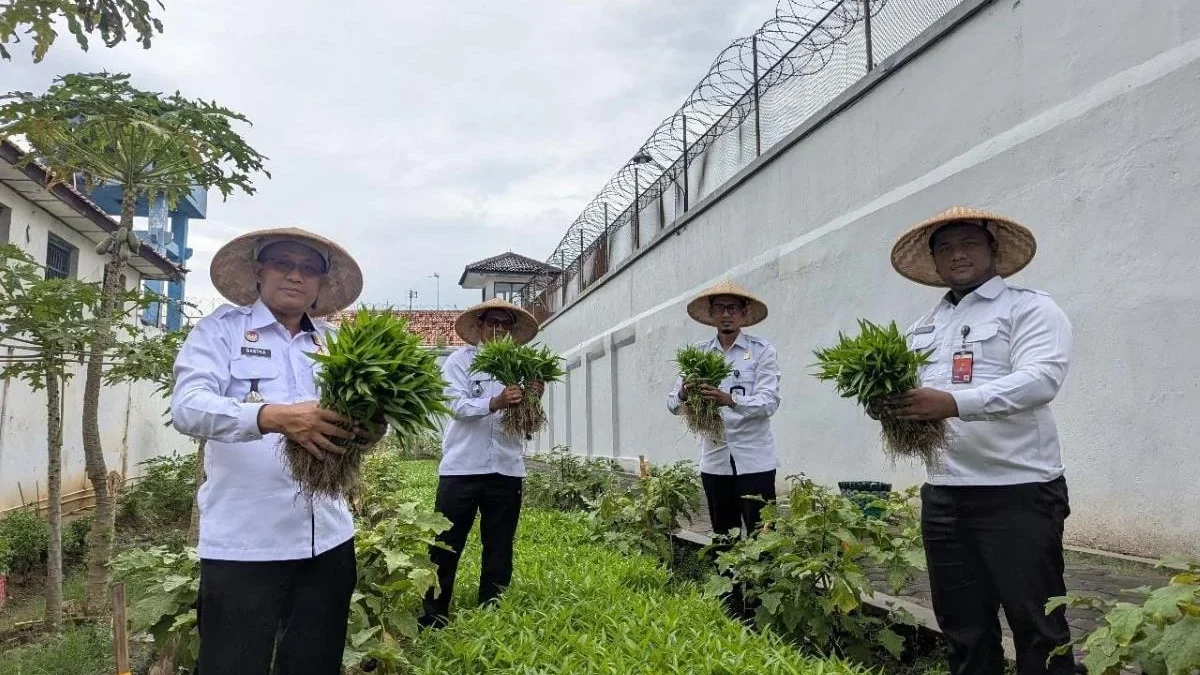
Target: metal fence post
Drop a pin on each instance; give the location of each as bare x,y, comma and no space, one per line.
637,216
757,118
867,28
685,164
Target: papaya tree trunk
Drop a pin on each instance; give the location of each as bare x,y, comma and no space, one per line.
100,542
194,528
54,568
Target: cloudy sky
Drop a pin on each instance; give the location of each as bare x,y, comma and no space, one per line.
453,130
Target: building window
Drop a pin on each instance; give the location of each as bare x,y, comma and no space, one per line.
58,258
508,291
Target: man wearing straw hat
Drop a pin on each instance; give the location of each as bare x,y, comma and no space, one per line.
994,504
276,570
482,469
741,467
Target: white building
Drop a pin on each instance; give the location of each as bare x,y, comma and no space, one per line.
60,229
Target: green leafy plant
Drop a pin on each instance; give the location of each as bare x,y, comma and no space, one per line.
569,482
163,495
394,573
641,518
163,586
582,607
699,366
25,536
74,539
1159,633
513,364
873,365
112,18
373,372
806,570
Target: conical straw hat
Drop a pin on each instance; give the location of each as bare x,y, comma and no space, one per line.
913,259
699,309
232,269
525,327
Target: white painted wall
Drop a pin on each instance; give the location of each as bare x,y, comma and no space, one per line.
1081,122
131,421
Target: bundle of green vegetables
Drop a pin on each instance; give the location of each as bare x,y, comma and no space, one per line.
513,364
877,364
699,366
374,372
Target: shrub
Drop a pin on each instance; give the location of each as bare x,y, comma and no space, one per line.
23,540
806,569
1160,634
162,588
74,539
571,483
642,518
163,495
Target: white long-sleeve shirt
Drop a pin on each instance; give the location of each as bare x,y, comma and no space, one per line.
748,438
473,442
250,506
1020,342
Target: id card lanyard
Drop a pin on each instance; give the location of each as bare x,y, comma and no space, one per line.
963,366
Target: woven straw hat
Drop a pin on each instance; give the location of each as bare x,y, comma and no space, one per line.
698,308
232,269
525,327
1015,244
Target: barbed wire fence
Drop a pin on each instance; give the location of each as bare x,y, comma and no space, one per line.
757,91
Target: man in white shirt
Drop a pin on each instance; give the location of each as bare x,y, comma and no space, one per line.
744,462
276,569
994,504
482,469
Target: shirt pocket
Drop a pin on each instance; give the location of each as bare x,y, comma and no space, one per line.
244,371
744,377
480,387
989,348
922,342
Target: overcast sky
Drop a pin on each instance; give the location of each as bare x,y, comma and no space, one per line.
455,130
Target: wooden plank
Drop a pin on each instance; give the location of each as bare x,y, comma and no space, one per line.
120,630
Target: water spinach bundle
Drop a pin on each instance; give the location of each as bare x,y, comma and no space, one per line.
373,371
514,364
699,366
876,364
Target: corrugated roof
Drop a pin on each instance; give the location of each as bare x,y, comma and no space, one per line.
435,326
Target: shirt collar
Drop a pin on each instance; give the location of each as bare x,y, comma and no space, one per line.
742,341
989,290
261,317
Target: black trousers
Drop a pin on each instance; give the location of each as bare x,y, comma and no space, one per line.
992,547
728,509
293,612
497,499
727,504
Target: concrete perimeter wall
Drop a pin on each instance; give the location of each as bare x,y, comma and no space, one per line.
1077,118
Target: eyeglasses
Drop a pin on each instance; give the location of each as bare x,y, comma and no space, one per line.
731,310
285,267
498,323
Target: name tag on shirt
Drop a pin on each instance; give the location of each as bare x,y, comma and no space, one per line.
923,330
256,351
963,368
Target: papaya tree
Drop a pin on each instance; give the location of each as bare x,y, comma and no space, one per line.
113,19
48,324
99,128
